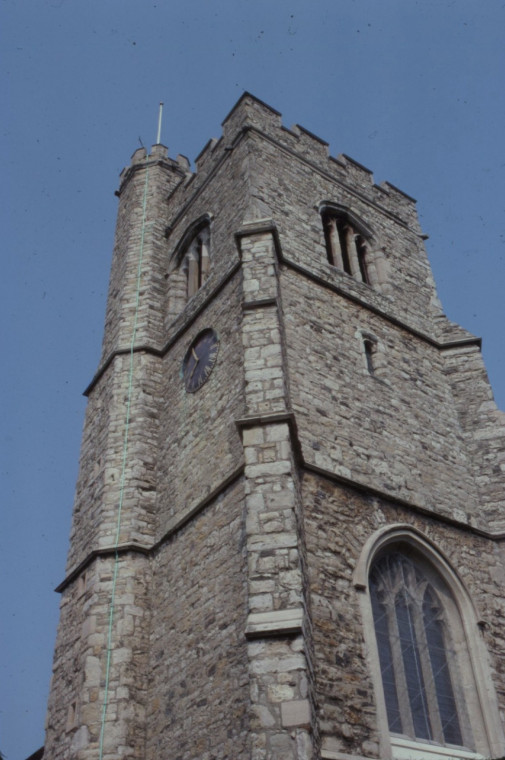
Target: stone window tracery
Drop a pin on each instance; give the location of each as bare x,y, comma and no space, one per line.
189,266
428,660
349,246
422,687
346,248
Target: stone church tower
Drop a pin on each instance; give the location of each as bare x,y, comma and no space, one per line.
288,532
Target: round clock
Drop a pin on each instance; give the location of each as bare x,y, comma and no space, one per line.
200,359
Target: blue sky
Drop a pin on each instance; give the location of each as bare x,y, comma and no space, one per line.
412,90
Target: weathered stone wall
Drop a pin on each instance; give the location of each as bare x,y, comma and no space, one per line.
102,485
282,690
395,431
338,522
244,507
138,262
90,482
292,190
198,686
67,676
220,190
483,426
199,445
74,723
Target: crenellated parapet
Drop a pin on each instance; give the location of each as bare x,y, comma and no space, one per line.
253,115
157,157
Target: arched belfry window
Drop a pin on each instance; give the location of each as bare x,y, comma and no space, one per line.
423,689
196,259
189,265
349,244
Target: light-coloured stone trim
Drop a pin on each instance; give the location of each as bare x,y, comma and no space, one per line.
281,622
277,654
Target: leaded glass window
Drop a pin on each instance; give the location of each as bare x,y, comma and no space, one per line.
418,662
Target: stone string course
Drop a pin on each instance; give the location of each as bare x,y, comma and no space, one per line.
237,630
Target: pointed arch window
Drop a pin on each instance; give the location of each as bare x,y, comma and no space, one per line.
422,686
349,245
434,689
346,247
189,264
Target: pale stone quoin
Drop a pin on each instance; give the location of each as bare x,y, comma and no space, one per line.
287,542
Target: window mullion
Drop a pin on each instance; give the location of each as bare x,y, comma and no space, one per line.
205,260
399,672
352,252
429,683
193,274
335,249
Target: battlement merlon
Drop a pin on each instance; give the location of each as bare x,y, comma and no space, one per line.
250,111
157,157
252,114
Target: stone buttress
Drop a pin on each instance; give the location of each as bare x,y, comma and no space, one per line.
280,681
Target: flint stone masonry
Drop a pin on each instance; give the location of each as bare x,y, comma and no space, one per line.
238,628
346,697
373,430
81,653
206,449
198,635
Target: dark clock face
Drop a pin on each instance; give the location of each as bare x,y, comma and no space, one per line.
200,359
